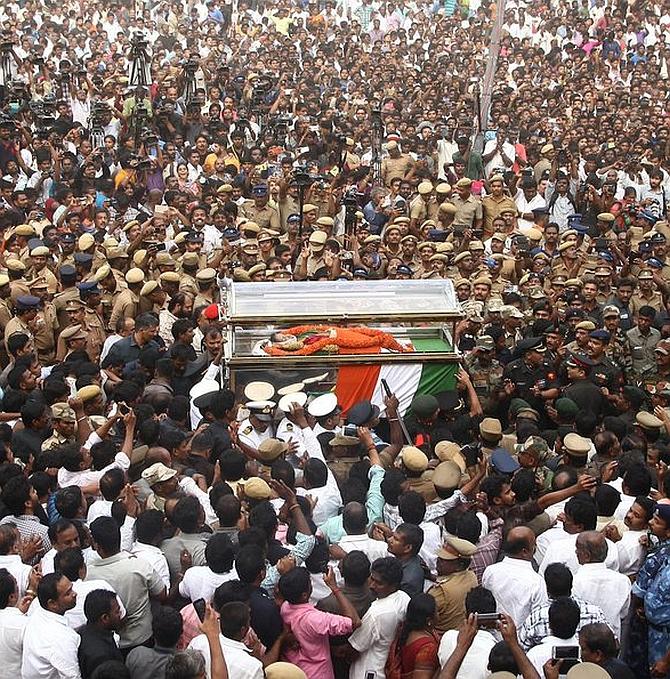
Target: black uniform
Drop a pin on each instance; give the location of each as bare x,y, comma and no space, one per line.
525,377
605,373
587,396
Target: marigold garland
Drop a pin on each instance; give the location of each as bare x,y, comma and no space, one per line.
345,338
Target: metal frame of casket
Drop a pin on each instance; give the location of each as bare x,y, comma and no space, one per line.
424,312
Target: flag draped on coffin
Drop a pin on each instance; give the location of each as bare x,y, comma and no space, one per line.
364,382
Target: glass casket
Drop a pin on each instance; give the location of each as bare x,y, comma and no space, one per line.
344,335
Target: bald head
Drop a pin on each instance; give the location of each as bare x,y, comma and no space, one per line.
591,547
520,543
158,454
354,518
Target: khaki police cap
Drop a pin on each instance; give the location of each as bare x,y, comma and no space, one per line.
446,475
89,392
450,451
148,288
207,274
85,241
461,256
40,251
62,411
490,428
250,226
648,421
73,332
135,276
102,273
414,459
425,188
170,277
456,548
257,489
15,265
590,326
270,449
257,268
24,230
576,444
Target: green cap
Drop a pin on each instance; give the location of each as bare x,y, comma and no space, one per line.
517,404
424,405
566,408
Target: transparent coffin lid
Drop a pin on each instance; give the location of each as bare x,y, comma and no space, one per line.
343,298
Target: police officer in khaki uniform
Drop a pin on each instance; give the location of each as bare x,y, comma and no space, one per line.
92,321
646,295
111,289
208,292
312,257
63,419
415,463
73,338
189,267
39,258
5,310
26,307
127,302
418,208
46,322
68,278
454,581
67,246
469,212
152,298
258,209
18,285
397,164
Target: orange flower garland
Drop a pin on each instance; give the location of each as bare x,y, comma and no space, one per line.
345,338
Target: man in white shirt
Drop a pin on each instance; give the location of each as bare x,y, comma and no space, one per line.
12,625
564,618
149,534
355,523
630,551
10,559
50,645
71,563
321,485
475,665
597,584
200,582
234,619
517,588
373,638
579,515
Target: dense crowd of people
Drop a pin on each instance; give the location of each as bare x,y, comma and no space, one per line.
156,523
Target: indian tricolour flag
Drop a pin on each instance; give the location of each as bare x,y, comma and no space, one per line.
406,380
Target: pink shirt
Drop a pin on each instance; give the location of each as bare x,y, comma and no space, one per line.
312,629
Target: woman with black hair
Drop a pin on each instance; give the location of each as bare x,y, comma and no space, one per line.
413,654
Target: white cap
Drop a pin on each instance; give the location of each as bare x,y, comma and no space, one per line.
322,405
295,398
259,391
291,388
